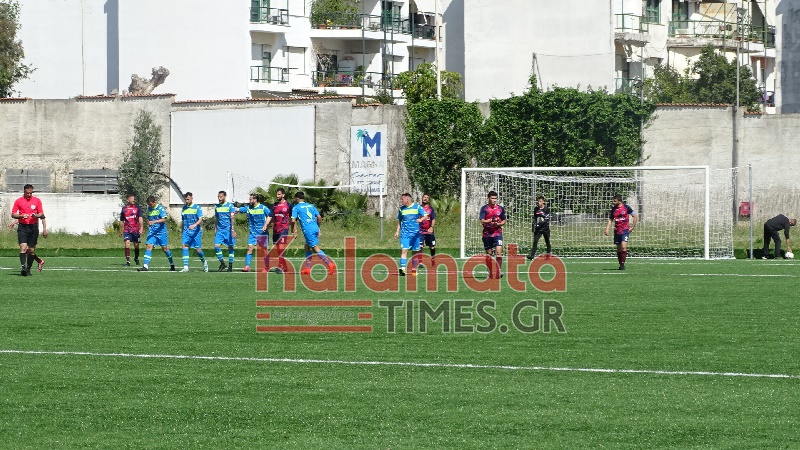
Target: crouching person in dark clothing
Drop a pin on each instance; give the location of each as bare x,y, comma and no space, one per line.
771,229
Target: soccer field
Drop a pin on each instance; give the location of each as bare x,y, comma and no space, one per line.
666,354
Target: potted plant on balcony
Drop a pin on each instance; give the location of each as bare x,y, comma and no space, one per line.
330,13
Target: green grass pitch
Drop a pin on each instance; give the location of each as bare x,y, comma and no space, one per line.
668,354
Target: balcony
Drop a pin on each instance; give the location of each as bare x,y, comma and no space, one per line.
335,78
269,74
702,29
698,33
626,85
272,16
763,35
373,23
631,28
630,23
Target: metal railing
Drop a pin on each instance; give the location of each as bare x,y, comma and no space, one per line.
702,28
336,78
269,74
722,30
274,16
763,35
626,85
368,22
631,23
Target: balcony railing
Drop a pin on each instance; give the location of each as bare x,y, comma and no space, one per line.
763,35
335,78
702,28
722,30
274,16
269,74
626,85
367,22
630,23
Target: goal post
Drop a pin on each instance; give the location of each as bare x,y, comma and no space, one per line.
684,211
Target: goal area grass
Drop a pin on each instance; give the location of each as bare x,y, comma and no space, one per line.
667,354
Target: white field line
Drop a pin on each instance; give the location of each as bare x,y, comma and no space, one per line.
409,364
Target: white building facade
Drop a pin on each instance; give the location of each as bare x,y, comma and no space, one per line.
269,48
612,44
222,50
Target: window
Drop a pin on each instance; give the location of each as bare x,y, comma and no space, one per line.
95,181
16,179
296,60
653,11
680,14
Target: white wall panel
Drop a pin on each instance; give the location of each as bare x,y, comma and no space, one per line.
258,143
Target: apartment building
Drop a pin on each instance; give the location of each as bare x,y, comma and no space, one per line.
674,32
613,44
223,50
353,50
268,48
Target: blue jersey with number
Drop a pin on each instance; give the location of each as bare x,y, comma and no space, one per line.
156,213
408,215
223,213
256,217
306,214
190,214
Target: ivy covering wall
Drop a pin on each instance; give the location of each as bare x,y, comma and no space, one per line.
562,127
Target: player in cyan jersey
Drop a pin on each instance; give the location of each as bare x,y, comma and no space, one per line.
131,225
280,217
620,216
192,236
409,218
156,234
426,226
225,233
493,217
256,218
310,220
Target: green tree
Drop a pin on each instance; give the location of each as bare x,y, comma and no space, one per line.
11,52
666,86
441,139
335,12
138,172
710,79
716,80
420,84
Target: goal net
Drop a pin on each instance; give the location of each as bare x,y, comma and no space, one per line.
684,212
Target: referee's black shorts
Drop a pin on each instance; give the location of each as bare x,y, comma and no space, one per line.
28,234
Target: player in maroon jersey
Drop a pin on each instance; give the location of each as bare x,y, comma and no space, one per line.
620,216
280,217
493,217
131,226
426,226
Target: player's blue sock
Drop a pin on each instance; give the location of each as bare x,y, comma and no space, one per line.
218,252
248,259
403,262
230,256
201,255
323,257
148,255
169,257
308,258
185,253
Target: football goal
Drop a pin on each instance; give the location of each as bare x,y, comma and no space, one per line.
684,211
